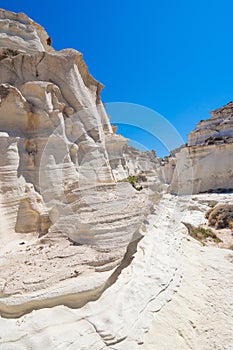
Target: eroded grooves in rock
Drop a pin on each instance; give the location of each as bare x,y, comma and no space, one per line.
94,250
209,151
62,203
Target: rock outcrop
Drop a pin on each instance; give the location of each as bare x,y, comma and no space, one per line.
94,253
60,163
216,130
205,164
170,296
19,32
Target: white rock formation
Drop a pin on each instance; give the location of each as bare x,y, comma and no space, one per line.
146,313
138,162
205,164
59,163
197,315
217,129
87,261
19,32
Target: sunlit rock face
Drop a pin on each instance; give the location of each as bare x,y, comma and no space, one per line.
60,166
206,163
138,162
19,32
72,247
216,130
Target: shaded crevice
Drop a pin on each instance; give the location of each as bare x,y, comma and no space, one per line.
37,64
126,261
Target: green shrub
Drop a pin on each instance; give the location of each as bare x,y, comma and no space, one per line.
133,180
201,234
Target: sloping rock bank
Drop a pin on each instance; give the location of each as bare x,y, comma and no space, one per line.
200,315
146,313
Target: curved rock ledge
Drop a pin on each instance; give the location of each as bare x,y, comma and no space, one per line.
141,288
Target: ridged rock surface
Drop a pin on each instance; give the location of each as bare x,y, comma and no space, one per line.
19,32
170,296
217,129
205,164
59,166
88,261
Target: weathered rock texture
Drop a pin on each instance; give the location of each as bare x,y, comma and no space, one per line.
205,164
19,32
72,244
59,165
140,310
218,129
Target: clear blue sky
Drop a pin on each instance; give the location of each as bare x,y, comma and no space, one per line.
175,57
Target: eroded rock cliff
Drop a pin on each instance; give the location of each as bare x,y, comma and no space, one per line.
80,268
205,164
60,163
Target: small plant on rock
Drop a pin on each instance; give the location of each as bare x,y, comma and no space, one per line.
201,234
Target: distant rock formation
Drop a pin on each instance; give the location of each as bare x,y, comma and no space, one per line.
216,130
205,164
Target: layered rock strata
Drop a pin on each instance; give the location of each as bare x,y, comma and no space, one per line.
59,166
78,269
218,129
146,313
205,164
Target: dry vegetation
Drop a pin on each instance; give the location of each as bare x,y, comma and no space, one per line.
221,216
202,234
